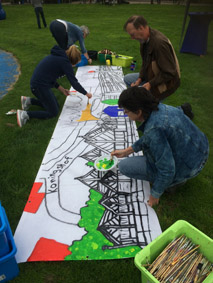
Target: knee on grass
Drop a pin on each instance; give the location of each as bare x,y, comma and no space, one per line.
53,113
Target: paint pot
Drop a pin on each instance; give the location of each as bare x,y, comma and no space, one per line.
108,62
133,66
103,163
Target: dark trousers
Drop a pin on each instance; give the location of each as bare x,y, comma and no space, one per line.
38,12
47,100
59,32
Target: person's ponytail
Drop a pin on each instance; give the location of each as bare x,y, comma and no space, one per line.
73,54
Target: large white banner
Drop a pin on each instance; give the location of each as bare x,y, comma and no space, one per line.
75,212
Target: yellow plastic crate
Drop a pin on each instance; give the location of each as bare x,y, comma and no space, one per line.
152,250
121,60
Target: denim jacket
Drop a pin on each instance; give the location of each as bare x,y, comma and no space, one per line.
174,147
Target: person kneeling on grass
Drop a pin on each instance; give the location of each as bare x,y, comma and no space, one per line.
174,149
53,66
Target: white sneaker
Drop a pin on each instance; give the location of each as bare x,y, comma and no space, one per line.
25,102
22,117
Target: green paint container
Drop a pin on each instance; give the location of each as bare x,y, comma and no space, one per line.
103,57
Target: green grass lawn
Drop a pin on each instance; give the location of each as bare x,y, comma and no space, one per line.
22,149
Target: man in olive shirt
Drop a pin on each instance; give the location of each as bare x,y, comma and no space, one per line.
160,71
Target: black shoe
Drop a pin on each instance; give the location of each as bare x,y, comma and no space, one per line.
172,189
187,109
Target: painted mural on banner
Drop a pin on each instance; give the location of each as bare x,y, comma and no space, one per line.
75,212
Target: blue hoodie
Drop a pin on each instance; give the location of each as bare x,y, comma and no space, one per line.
51,68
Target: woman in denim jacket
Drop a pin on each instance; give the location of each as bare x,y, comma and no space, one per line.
174,149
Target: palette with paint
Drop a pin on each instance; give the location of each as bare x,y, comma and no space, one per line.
104,163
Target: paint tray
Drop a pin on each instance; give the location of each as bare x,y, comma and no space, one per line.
107,158
152,251
121,60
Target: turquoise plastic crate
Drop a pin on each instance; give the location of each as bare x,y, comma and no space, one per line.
8,265
152,251
4,243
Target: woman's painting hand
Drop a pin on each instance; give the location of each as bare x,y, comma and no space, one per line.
122,152
89,95
118,153
152,201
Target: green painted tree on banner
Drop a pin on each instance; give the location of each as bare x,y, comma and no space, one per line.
90,247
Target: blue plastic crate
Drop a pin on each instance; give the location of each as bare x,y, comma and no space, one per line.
4,244
8,265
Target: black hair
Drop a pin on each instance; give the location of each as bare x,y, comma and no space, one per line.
137,21
138,98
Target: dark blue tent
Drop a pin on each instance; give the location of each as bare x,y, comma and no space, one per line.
196,37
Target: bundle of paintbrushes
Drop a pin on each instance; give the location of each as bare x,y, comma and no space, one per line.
181,262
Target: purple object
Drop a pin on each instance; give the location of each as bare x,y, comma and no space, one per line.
133,66
114,111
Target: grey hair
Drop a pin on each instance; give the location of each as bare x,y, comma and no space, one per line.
85,30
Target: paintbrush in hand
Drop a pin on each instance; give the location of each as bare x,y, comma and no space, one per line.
111,159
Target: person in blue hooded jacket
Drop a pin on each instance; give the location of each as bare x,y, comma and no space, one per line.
174,149
44,78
